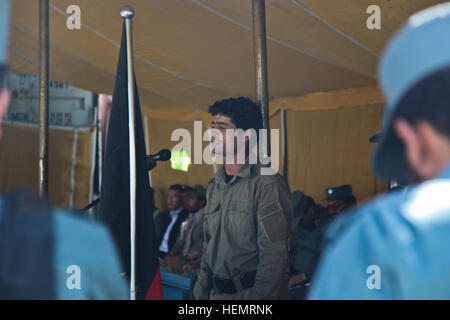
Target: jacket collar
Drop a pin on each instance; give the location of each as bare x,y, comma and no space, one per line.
244,171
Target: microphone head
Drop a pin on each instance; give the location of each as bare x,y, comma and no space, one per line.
164,155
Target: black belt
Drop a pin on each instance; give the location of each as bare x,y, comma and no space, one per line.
231,286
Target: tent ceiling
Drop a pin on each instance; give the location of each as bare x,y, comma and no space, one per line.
191,53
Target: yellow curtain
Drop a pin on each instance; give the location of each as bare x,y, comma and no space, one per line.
328,148
19,162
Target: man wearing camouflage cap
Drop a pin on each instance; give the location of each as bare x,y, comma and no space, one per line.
396,247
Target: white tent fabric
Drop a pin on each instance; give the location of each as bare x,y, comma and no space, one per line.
191,53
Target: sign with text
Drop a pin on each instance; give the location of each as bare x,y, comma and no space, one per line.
69,106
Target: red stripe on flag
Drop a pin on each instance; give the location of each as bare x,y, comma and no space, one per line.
155,291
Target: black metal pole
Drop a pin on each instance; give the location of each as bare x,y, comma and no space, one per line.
127,13
284,143
43,95
260,57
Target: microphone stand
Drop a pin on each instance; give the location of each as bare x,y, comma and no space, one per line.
150,165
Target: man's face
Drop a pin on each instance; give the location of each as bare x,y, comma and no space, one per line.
4,102
192,203
308,218
219,142
174,200
336,206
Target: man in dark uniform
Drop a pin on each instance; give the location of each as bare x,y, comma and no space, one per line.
306,246
248,214
339,199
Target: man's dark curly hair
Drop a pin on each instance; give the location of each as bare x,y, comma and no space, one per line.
243,112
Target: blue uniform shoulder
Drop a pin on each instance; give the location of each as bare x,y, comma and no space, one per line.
84,237
398,215
88,246
405,234
379,215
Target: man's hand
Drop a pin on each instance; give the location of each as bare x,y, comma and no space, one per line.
168,260
297,279
197,271
185,268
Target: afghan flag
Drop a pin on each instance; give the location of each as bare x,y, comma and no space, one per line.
114,207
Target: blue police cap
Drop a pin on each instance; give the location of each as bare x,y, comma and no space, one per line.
339,192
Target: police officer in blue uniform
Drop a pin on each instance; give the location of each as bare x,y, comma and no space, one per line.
396,247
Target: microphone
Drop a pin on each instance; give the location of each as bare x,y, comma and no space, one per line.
163,155
150,161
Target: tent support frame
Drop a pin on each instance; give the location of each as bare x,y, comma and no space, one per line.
260,59
284,143
43,95
127,13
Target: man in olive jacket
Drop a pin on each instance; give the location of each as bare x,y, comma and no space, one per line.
248,214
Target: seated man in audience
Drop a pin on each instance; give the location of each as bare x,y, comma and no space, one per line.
339,199
168,224
187,251
305,247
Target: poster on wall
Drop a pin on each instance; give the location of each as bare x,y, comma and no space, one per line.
69,106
